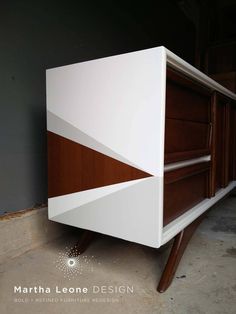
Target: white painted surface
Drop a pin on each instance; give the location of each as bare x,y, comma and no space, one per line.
129,213
173,228
118,101
63,204
181,164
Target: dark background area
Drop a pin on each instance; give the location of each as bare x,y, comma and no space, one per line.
35,36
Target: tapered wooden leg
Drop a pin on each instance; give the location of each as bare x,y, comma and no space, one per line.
180,243
83,243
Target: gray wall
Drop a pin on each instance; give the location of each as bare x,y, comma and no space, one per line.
35,36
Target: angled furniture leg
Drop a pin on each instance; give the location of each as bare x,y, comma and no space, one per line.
83,243
180,243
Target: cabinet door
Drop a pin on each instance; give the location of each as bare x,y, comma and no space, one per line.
234,148
222,154
232,141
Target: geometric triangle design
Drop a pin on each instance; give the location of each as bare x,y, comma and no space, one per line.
61,127
121,213
62,204
73,167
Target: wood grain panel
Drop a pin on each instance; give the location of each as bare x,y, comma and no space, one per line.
220,174
73,167
185,188
186,102
188,118
182,137
219,144
232,143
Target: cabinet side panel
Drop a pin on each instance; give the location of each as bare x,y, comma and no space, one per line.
117,103
112,109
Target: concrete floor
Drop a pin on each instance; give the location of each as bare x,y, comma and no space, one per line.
205,281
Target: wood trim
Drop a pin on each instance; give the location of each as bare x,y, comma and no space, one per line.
213,147
234,141
227,143
221,120
231,141
73,167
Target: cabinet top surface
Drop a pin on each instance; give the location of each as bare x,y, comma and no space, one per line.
167,57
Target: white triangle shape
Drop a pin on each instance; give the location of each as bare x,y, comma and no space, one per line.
61,204
63,128
130,213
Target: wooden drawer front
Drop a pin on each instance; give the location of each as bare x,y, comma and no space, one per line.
186,140
223,160
186,100
219,147
234,142
184,188
232,131
182,103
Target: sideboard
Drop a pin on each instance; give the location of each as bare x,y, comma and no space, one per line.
140,146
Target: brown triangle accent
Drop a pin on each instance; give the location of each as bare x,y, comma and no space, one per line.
73,167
